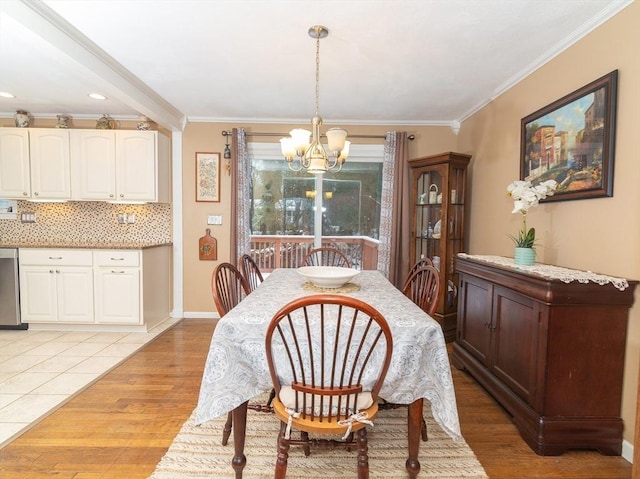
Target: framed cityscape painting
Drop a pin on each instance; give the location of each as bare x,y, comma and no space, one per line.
572,141
208,177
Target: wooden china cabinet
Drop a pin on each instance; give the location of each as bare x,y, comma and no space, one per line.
438,194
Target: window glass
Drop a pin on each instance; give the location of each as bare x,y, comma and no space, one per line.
283,201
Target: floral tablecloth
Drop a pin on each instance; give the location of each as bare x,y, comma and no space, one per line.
236,368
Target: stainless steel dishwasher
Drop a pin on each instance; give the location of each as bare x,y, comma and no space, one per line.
10,290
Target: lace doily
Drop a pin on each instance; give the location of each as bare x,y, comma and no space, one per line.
347,288
565,275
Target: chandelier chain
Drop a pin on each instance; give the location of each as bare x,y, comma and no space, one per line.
317,72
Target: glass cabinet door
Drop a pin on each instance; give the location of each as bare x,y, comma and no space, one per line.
438,230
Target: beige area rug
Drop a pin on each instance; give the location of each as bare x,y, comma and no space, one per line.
196,452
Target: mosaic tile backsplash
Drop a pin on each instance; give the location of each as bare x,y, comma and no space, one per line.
88,221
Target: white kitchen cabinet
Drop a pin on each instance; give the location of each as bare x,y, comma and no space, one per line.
120,165
100,289
35,163
49,151
118,292
93,164
15,178
56,286
136,165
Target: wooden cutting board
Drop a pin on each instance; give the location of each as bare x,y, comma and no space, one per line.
208,247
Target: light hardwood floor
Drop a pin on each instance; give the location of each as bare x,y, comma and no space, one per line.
123,424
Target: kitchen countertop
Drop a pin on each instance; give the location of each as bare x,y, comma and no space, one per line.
89,244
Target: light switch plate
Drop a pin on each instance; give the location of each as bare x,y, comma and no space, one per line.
214,220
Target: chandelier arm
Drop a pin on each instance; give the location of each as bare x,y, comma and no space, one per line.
291,166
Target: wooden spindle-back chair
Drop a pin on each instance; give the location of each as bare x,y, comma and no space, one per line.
250,271
228,287
328,356
423,288
326,256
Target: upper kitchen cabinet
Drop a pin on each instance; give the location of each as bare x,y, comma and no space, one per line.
93,160
120,165
15,178
35,164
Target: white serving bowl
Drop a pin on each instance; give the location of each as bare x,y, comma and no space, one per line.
328,276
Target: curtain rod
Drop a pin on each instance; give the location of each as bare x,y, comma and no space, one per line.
228,133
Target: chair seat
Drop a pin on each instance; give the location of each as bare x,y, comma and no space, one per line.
288,397
315,425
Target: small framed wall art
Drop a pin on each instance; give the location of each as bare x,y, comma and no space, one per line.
207,177
572,141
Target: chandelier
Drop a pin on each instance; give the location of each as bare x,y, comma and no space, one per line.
302,149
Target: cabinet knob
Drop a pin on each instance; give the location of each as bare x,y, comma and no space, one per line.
111,195
36,193
57,271
24,193
121,195
51,271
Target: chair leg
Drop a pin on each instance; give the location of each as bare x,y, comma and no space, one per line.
349,439
423,431
305,447
272,395
363,457
283,453
226,432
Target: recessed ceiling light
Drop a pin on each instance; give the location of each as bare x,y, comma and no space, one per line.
97,96
6,94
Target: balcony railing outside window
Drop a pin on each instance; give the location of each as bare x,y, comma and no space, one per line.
282,251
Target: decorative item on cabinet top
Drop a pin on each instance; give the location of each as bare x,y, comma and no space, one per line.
105,122
22,119
526,196
144,124
63,121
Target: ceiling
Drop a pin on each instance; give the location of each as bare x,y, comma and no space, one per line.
409,62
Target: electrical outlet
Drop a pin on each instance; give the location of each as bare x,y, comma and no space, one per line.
214,220
28,217
131,219
122,218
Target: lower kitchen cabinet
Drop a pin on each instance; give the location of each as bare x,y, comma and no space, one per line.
117,287
56,286
550,352
127,290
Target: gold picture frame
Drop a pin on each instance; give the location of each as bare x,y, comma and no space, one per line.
207,177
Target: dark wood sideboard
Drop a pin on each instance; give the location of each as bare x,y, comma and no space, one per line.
551,353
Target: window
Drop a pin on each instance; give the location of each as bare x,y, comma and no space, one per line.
283,201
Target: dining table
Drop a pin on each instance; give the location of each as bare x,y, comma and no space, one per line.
236,369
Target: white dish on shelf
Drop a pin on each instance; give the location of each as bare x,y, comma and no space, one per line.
437,229
328,276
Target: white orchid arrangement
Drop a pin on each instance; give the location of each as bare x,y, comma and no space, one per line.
526,196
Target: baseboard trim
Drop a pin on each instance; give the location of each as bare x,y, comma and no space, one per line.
627,451
200,315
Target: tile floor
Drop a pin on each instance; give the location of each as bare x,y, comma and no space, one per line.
41,370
